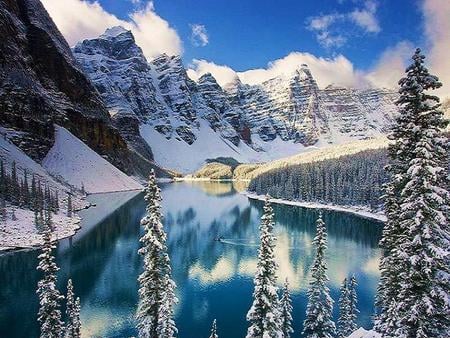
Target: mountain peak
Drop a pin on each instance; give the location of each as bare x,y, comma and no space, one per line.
114,32
207,77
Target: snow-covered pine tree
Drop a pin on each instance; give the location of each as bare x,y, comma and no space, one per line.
69,205
286,311
353,304
264,315
157,289
414,290
424,212
2,209
214,330
319,321
73,325
344,310
49,315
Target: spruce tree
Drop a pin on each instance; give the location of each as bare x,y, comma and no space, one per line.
343,329
214,330
413,293
319,322
73,326
2,209
3,180
286,311
156,287
264,314
353,304
15,187
49,315
69,205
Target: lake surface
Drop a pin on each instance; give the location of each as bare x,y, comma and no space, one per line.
215,280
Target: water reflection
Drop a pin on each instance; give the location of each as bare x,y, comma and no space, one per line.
214,279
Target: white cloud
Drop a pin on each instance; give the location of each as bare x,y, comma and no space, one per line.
437,31
366,17
199,36
325,26
339,70
223,74
391,65
154,34
78,20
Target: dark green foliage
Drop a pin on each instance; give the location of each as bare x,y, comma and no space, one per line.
18,193
348,180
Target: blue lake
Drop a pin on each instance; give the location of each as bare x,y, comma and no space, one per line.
214,279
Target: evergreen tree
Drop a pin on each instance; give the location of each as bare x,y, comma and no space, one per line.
353,304
413,293
319,322
2,209
343,329
157,289
49,315
214,330
73,326
264,315
69,205
13,215
26,190
15,187
286,311
56,201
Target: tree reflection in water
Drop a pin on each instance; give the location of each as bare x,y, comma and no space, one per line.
214,278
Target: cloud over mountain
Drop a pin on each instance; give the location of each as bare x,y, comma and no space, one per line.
78,20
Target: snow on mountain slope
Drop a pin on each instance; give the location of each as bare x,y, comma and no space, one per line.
361,333
186,122
184,158
79,165
21,232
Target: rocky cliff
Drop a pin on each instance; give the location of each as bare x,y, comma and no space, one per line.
195,121
41,84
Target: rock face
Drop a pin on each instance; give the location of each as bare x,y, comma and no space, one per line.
41,84
253,122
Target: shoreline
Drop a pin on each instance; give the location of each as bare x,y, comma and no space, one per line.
358,211
207,179
66,227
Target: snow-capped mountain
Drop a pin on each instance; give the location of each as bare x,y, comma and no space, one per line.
186,122
42,85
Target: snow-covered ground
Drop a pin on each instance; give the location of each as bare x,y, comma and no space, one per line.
22,233
184,158
362,333
72,163
79,165
359,211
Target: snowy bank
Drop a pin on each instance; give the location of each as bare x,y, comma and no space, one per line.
359,211
80,166
361,333
22,233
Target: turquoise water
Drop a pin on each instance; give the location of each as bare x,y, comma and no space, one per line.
214,279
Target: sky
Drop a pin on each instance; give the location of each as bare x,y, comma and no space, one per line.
355,43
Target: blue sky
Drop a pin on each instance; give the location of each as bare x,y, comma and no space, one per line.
249,34
356,43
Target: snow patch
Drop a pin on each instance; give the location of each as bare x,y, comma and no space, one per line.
184,158
22,233
361,333
359,211
79,165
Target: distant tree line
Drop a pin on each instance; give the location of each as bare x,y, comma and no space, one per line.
23,193
348,180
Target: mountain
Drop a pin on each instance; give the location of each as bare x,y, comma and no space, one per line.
185,123
42,85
